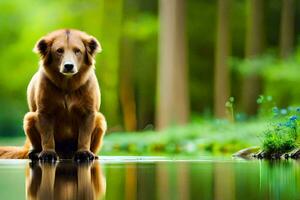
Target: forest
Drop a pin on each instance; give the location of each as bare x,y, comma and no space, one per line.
193,71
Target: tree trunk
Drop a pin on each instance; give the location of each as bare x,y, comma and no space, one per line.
172,95
222,72
127,96
254,48
287,28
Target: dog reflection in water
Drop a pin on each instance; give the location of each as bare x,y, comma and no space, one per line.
64,181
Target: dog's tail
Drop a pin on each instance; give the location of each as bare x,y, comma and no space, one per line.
13,152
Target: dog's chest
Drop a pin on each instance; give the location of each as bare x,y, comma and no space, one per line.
68,102
71,102
67,116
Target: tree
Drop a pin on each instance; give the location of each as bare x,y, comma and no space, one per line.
172,94
254,47
127,96
287,28
222,73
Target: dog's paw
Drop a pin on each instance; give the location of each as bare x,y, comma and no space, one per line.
48,156
33,155
84,156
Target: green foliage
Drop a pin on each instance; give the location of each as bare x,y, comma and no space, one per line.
281,136
266,104
255,65
141,29
279,78
211,136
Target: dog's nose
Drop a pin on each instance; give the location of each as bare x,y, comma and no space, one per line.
69,67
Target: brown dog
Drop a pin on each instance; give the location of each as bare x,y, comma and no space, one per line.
64,99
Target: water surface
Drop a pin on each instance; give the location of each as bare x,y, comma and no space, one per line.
151,178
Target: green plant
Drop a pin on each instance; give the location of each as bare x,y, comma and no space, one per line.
229,108
282,136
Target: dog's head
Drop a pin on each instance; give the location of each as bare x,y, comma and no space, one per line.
67,51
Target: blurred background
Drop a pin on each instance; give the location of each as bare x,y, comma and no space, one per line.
164,63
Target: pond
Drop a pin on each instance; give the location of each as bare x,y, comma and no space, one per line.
151,178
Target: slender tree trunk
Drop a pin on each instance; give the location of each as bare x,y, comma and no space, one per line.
287,28
127,96
254,48
222,72
173,100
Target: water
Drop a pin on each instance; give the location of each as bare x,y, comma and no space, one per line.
151,178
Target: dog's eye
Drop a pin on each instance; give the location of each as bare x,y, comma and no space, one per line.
60,50
77,51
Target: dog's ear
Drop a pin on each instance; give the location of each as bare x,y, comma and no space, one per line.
92,48
92,45
42,47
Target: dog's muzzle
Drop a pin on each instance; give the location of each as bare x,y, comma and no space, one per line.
69,69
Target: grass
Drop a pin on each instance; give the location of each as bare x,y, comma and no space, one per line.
275,130
216,137
209,136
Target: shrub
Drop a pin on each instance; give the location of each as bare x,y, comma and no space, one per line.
281,137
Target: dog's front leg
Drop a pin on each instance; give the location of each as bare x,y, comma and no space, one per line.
45,126
84,139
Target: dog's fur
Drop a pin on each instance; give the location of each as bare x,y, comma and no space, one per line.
63,120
